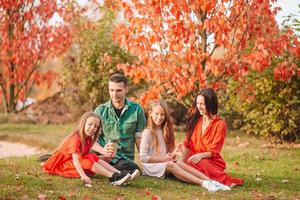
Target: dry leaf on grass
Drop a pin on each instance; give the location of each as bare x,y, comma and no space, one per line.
42,197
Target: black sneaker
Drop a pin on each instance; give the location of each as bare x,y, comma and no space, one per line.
44,158
119,178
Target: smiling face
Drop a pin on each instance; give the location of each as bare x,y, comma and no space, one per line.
91,126
157,115
200,103
117,92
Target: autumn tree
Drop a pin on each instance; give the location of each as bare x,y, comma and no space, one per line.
183,46
29,34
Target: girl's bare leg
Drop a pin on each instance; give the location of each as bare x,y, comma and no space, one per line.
107,166
183,175
98,169
192,170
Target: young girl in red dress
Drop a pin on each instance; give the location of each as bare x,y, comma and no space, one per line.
205,137
73,159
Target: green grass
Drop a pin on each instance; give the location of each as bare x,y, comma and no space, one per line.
22,178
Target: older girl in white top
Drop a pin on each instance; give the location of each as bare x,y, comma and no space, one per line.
157,152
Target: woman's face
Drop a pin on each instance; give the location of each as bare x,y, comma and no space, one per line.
91,126
200,103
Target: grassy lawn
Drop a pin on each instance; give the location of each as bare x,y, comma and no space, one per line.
269,173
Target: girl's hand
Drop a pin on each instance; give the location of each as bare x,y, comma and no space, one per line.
86,179
194,159
169,157
178,151
111,149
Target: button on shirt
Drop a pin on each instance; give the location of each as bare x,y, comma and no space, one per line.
121,129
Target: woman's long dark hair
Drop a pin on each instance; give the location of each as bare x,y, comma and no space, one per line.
211,104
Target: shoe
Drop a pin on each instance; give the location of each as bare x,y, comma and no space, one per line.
209,186
44,158
220,185
134,174
119,178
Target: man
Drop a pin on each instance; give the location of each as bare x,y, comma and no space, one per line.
123,122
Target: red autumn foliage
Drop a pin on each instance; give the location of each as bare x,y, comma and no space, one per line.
183,46
29,36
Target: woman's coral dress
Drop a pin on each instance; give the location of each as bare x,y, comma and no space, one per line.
211,140
61,162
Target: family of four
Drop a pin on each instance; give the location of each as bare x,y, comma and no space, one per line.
104,143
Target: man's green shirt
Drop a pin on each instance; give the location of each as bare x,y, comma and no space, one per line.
124,129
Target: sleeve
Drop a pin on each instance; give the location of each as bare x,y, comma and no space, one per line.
146,143
73,144
219,137
141,122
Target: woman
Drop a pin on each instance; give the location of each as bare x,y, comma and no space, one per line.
205,138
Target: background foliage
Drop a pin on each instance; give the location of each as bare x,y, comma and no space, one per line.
274,108
92,58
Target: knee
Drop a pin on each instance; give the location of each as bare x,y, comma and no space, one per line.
180,162
171,165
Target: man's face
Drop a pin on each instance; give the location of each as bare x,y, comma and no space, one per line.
117,92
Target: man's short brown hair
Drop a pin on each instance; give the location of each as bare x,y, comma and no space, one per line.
118,78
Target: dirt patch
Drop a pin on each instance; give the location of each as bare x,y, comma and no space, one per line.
52,110
8,149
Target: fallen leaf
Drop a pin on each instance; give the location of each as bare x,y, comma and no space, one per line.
237,140
62,198
258,179
155,197
86,198
147,192
25,197
244,144
257,195
236,166
17,176
119,198
42,197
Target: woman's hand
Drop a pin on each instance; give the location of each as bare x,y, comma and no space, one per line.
194,159
86,179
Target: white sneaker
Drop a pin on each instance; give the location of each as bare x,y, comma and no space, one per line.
220,185
134,174
209,186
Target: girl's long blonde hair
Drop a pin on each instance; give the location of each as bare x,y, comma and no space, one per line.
80,130
166,126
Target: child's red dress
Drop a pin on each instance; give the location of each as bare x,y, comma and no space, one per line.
61,162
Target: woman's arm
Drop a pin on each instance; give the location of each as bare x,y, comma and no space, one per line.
198,157
79,169
185,152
